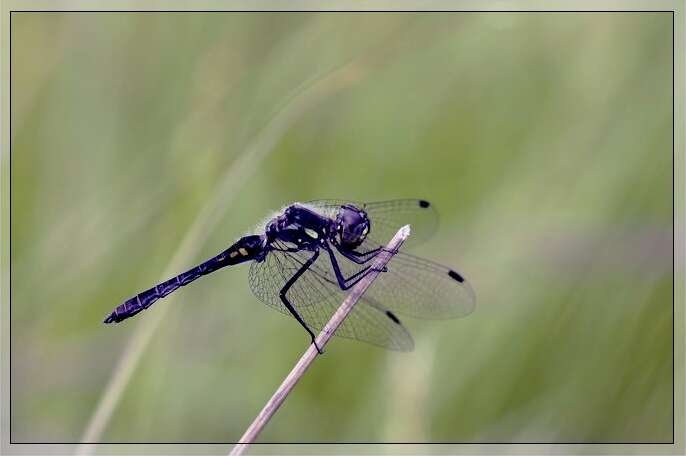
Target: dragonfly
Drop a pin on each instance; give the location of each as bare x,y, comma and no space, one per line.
308,256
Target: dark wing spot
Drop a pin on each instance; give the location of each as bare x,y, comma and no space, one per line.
424,203
456,276
392,317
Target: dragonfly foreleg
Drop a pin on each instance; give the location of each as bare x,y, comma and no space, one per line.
362,258
359,258
289,306
345,283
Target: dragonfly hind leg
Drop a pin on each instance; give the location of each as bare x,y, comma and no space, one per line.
289,306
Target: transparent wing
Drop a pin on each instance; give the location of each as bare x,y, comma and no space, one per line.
420,288
388,216
411,286
316,296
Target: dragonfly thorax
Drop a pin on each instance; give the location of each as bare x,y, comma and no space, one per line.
299,227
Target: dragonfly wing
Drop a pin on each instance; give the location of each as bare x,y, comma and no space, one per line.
316,296
412,285
421,288
388,216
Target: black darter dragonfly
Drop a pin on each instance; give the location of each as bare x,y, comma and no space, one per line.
311,253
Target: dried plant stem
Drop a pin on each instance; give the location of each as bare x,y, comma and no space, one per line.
322,339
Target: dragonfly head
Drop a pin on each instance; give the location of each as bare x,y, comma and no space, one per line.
352,226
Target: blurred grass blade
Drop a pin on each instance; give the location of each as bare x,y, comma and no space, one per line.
306,96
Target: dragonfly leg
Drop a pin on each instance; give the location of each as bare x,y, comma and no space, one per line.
357,257
344,283
289,306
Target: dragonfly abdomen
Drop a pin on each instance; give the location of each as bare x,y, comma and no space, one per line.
148,297
247,248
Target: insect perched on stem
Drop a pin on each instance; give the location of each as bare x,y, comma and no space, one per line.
310,254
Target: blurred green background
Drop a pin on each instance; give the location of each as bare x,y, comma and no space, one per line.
544,140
